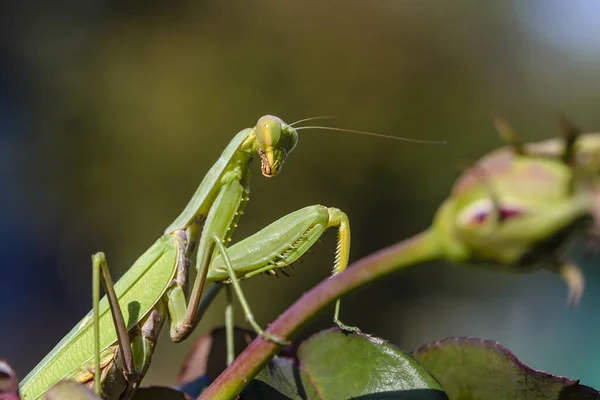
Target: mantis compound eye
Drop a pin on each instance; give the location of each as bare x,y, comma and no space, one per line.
268,132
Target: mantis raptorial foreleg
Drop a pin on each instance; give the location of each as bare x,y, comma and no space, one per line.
216,226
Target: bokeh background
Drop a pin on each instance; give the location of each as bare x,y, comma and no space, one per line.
112,112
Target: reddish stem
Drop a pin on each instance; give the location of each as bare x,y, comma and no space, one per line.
417,249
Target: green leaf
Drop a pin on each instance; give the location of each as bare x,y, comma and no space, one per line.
478,369
336,365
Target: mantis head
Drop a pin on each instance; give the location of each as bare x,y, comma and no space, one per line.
274,141
514,208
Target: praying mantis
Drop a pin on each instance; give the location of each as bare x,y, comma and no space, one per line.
114,343
512,208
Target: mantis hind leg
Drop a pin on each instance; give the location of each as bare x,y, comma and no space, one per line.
240,294
101,274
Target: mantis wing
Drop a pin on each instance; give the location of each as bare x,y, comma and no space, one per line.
138,291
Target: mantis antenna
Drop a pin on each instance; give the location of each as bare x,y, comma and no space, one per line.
372,134
312,119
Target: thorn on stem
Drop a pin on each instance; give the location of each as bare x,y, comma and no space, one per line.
508,134
569,133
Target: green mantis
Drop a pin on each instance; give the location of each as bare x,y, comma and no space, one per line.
114,343
512,209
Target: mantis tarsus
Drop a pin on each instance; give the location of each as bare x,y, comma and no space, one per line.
154,287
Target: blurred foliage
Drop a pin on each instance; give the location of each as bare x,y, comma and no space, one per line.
112,112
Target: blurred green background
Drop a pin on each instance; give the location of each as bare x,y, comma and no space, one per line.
113,111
